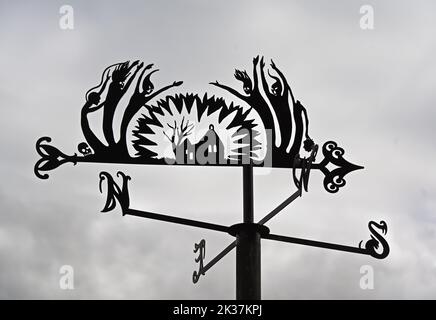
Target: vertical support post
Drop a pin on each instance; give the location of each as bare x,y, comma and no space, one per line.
248,193
248,245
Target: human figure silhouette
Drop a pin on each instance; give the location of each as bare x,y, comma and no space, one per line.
117,89
252,95
278,97
92,105
138,100
300,115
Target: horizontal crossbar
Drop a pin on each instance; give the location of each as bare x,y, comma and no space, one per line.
313,243
187,222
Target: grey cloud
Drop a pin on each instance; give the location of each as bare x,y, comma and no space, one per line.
372,91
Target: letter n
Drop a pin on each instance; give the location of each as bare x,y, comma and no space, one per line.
114,192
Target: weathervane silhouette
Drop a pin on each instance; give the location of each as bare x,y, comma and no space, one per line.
186,129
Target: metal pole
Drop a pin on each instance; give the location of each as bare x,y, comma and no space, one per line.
248,245
248,193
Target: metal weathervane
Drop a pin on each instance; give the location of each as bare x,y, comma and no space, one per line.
267,128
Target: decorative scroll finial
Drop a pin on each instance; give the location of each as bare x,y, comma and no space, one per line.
51,158
334,179
201,249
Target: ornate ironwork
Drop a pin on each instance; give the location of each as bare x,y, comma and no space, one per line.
51,157
305,165
372,246
201,249
114,192
186,129
334,179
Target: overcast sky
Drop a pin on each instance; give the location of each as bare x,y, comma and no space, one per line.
372,91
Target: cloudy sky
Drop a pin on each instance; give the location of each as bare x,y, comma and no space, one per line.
372,91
